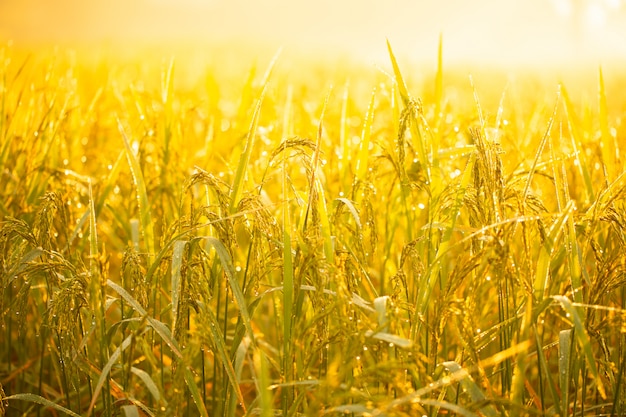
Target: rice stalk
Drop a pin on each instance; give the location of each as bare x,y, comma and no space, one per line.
244,161
147,225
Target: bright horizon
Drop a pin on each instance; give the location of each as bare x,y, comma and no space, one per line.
491,31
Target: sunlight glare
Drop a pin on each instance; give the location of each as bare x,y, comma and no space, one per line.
489,31
563,7
595,15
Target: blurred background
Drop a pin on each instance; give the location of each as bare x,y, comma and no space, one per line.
493,31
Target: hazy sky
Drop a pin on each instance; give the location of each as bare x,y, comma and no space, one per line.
492,30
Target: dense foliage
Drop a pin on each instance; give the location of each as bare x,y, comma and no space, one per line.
215,245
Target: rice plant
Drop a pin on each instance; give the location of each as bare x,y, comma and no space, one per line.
290,244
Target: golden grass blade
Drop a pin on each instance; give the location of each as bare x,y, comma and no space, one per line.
247,97
358,409
110,183
106,369
261,370
404,93
218,340
33,398
457,409
479,109
244,161
288,279
577,272
542,144
315,161
329,250
177,263
344,135
158,326
542,273
130,411
195,393
6,122
364,145
288,272
412,107
93,244
565,365
392,339
352,209
149,383
607,144
438,93
563,199
469,386
97,290
380,305
548,374
583,340
167,88
167,82
145,214
574,125
229,270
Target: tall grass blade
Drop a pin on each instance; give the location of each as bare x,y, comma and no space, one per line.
392,339
130,411
521,360
438,93
607,145
364,145
218,340
404,93
352,209
288,287
98,295
542,144
158,326
549,375
244,160
565,365
104,375
167,82
315,162
33,398
145,214
317,185
261,370
110,182
454,408
229,269
583,340
575,124
195,393
329,251
177,261
149,383
542,273
344,136
411,106
469,386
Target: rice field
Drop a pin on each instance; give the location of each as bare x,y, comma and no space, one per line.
291,238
